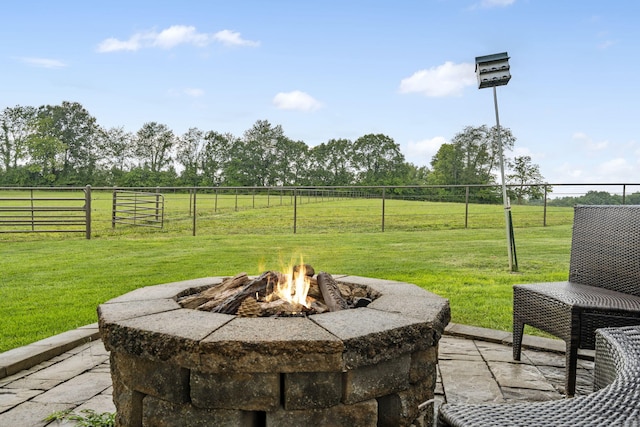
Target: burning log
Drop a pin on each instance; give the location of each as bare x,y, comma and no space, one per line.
255,287
309,271
277,294
331,292
214,295
280,306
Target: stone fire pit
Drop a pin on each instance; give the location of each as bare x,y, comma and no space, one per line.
370,366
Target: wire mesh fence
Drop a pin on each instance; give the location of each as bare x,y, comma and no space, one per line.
281,210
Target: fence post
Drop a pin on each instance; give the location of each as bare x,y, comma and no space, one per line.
33,216
114,208
544,214
157,203
624,192
466,207
383,200
295,210
194,213
87,207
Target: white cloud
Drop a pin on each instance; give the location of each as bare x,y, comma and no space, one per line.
44,62
179,34
613,170
113,45
172,37
490,4
232,38
496,3
448,79
420,152
617,169
588,143
296,100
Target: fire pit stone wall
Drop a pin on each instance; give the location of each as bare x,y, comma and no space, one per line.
369,366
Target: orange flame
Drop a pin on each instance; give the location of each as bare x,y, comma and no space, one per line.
294,289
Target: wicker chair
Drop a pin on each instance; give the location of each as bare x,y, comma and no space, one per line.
617,369
603,289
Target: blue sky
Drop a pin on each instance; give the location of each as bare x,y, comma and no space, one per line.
343,69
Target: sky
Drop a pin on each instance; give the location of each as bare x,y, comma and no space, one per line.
343,69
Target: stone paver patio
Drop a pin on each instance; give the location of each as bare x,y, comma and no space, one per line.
475,366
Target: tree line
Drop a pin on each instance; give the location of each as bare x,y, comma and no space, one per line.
61,145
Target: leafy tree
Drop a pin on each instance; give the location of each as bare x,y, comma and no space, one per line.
447,166
153,145
418,175
291,162
46,152
330,163
600,198
471,158
262,157
216,157
72,125
632,199
378,160
15,128
115,153
190,149
525,172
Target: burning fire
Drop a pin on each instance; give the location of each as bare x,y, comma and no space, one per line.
293,285
296,290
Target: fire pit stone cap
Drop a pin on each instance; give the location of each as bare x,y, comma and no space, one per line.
271,344
167,335
167,290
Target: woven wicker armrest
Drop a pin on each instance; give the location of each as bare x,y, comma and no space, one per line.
617,404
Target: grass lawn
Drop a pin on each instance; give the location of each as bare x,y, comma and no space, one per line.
52,284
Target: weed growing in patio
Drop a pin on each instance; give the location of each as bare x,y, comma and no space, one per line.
85,418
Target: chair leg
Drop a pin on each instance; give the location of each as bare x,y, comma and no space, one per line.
518,330
571,368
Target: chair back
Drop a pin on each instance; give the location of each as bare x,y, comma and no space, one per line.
605,247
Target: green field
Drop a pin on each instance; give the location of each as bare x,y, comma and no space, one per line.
50,283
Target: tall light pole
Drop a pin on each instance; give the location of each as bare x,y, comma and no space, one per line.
493,71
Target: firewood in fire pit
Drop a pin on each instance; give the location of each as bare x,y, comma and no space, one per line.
215,294
309,271
249,308
257,286
314,290
280,306
319,307
330,292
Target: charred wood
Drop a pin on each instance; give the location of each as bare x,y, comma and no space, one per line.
255,287
331,292
214,292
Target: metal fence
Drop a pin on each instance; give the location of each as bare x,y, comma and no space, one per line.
58,210
282,210
137,208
